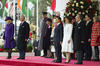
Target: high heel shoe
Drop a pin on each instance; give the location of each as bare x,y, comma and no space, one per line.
67,62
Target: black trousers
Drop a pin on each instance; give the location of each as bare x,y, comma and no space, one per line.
44,47
37,52
79,55
58,51
87,51
22,53
96,49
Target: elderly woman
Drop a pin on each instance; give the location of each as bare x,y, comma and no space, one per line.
9,36
95,37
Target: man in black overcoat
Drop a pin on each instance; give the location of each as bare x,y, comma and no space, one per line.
79,38
43,27
23,35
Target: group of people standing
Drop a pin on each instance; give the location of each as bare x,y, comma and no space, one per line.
21,41
73,35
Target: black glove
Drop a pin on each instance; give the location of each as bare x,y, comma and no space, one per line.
3,37
12,38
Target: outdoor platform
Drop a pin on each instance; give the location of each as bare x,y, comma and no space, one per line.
41,61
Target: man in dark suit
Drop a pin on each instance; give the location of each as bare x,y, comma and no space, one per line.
79,38
43,27
58,38
23,35
89,23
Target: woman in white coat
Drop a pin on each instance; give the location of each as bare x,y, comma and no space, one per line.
67,44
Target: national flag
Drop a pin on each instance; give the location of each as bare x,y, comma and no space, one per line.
1,5
53,6
59,5
22,5
3,2
5,12
30,6
11,9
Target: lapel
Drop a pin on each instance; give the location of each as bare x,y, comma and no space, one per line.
79,25
22,25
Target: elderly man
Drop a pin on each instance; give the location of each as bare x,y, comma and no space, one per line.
79,38
23,35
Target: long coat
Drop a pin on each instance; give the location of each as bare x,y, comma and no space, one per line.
47,42
23,34
95,36
9,36
43,26
89,29
79,35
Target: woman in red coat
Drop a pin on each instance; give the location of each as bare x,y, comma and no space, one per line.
95,37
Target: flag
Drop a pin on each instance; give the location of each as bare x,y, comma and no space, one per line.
11,9
59,5
34,1
3,2
22,5
5,12
53,5
30,6
1,5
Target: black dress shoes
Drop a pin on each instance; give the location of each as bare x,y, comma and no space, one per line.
78,63
56,61
21,58
95,60
9,57
43,56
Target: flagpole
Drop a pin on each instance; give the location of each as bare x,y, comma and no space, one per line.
8,8
37,20
27,12
14,16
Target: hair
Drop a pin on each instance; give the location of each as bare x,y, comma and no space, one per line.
49,19
96,17
44,13
58,17
88,16
80,16
69,18
22,16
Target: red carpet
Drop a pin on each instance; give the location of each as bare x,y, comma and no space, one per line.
40,61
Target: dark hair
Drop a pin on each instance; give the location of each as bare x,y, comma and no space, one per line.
69,18
88,16
58,17
49,20
44,13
